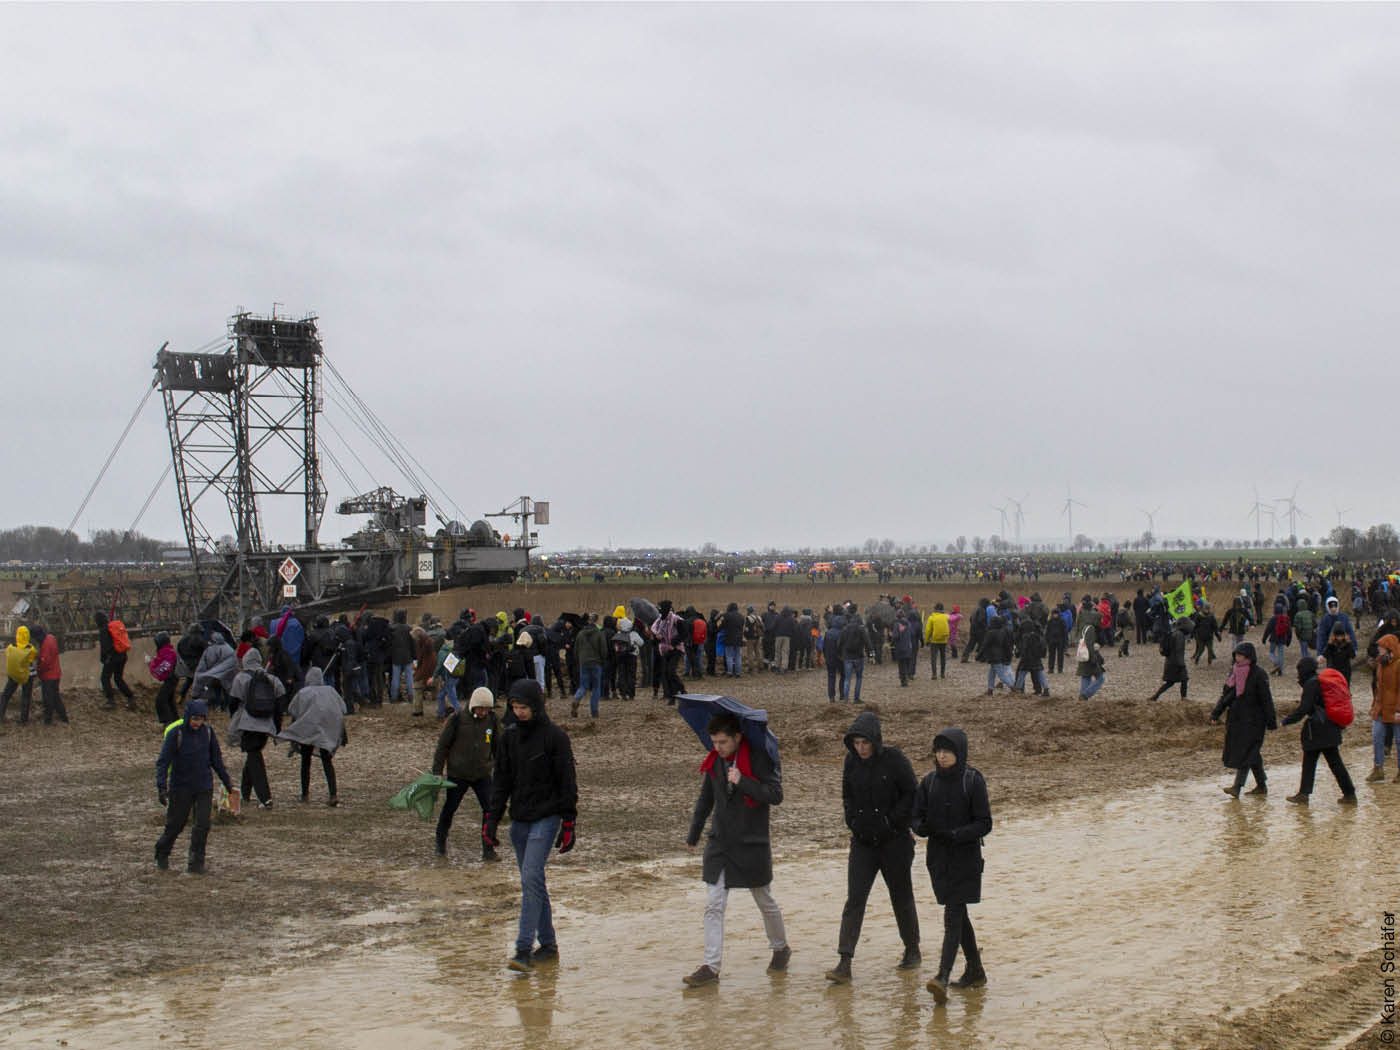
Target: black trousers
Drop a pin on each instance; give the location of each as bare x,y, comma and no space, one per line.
626,667
1055,658
327,767
113,668
669,679
938,658
1141,622
254,777
957,930
165,702
177,814
26,694
893,861
1207,646
1334,763
376,681
907,669
453,798
53,703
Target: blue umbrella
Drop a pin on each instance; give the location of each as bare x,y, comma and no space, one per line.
698,708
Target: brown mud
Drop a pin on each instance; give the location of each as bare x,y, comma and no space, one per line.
1127,901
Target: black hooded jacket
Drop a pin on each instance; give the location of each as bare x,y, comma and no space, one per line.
952,809
877,793
534,766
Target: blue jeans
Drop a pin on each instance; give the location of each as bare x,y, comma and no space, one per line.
1002,671
855,671
733,659
404,673
1276,653
835,674
1304,649
532,841
1037,678
590,680
448,692
1089,686
1378,745
539,672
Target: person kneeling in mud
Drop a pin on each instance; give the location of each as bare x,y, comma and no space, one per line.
952,810
877,793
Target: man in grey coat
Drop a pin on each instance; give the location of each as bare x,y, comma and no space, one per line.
740,784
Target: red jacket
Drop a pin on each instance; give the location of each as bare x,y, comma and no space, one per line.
49,671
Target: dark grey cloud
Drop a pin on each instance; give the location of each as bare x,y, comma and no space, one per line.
752,274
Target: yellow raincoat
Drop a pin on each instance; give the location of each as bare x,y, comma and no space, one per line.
19,657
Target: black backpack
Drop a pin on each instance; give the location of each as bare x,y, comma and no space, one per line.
261,700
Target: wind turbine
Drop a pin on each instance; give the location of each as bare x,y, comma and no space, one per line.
1259,508
1151,519
1068,511
1018,519
1340,512
1293,512
1002,511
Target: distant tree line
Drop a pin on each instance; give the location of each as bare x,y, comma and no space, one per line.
41,543
1378,543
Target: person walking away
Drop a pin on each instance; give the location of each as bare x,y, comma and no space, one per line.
739,785
112,655
831,656
852,644
902,648
669,642
535,778
952,810
1320,736
318,725
401,650
1305,628
733,641
877,796
1385,702
185,768
20,658
188,650
1278,633
1173,649
591,647
1056,640
162,668
1089,662
955,619
996,651
466,751
627,643
1251,713
936,635
1124,624
255,696
753,640
1206,633
217,669
50,674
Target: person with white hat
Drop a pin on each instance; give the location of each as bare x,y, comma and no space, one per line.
466,749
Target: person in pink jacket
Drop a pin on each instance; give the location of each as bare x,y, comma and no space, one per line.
954,619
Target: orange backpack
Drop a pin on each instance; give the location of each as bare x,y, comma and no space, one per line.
120,642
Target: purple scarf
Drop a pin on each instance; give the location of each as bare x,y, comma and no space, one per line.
1239,674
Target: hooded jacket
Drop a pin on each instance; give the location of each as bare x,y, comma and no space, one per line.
952,810
1251,714
591,646
19,657
877,793
242,721
218,663
996,643
188,757
49,669
534,765
853,642
106,648
936,628
1385,703
318,715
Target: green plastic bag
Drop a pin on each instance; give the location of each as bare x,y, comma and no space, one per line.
421,795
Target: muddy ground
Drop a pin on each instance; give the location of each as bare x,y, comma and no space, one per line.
91,929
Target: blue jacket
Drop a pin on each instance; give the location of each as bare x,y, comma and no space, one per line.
1324,629
189,758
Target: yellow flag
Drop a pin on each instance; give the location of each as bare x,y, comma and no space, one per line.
1179,601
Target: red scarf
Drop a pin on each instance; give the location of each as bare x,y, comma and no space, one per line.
740,761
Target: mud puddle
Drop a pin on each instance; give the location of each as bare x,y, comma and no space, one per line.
1121,922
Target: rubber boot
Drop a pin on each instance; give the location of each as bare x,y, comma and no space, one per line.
841,972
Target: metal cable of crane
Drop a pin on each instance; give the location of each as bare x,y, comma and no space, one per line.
147,505
113,454
380,440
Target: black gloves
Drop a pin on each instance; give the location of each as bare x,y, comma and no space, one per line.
488,831
944,835
565,841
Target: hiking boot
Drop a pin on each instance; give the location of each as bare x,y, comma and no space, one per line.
988,693
1233,791
573,709
305,798
1299,799
520,963
545,953
1258,789
440,849
489,854
971,979
911,959
938,986
1347,800
841,972
195,869
1377,774
704,975
779,962
333,801
162,863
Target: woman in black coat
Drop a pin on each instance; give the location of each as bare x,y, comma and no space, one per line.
1321,736
1250,705
952,810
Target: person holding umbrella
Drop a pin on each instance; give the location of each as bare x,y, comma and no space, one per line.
741,783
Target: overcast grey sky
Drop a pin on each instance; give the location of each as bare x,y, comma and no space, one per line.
790,275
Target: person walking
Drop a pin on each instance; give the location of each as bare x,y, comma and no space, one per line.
1235,623
185,768
1206,633
904,646
1089,662
50,674
113,661
592,648
733,640
1320,736
256,698
852,645
936,634
877,796
466,752
20,657
401,648
217,668
1251,713
535,778
1173,649
1278,633
162,668
1385,700
952,810
739,786
318,725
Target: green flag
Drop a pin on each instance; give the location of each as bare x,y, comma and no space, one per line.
1179,601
